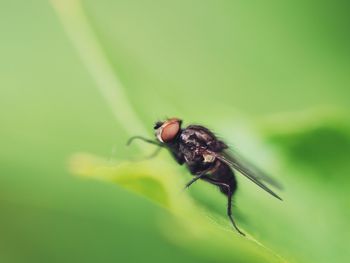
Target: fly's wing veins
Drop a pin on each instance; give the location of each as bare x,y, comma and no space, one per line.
243,168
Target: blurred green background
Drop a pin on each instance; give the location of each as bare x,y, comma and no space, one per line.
270,77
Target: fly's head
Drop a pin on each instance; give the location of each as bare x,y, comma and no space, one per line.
168,131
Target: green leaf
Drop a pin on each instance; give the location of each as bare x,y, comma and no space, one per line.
312,210
187,223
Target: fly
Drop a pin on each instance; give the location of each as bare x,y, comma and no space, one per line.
207,158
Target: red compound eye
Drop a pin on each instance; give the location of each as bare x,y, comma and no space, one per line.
170,130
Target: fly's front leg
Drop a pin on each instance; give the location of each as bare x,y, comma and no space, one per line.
143,139
150,156
155,153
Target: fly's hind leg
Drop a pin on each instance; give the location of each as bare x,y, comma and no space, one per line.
229,210
228,190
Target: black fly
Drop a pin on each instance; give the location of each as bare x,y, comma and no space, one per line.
207,158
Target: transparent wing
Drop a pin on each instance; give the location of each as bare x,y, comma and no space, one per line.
251,172
258,173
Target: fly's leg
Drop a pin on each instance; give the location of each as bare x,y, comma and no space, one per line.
203,174
194,180
229,194
143,139
152,155
229,210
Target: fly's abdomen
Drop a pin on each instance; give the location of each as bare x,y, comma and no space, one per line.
223,174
